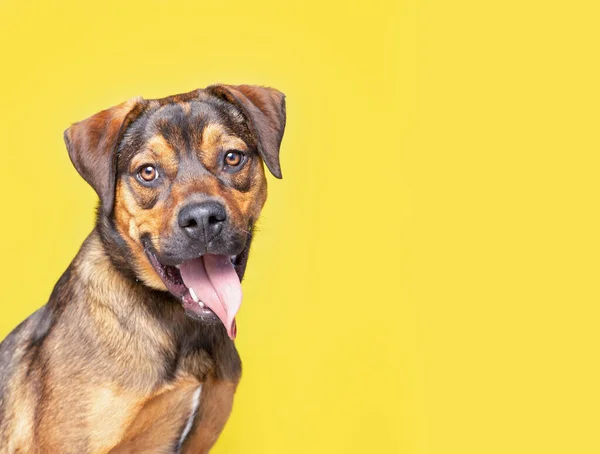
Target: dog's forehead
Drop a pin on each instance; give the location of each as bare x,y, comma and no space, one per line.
190,115
182,124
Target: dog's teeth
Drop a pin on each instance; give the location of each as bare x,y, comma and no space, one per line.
201,304
193,294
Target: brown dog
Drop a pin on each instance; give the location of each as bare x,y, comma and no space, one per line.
112,363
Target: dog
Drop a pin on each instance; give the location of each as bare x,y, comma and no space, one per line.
134,350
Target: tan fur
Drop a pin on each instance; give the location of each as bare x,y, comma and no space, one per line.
216,407
157,150
158,418
216,138
129,218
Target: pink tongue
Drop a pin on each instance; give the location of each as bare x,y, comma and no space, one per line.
216,284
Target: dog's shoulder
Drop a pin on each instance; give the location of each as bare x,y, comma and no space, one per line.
17,355
16,345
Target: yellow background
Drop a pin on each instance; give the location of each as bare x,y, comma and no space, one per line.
425,279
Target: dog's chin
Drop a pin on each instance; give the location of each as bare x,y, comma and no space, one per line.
212,273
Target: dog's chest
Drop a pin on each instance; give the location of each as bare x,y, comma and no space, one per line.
128,423
194,407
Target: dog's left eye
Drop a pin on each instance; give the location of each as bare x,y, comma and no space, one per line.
148,173
234,158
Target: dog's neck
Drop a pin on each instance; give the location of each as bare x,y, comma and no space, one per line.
152,319
109,286
114,245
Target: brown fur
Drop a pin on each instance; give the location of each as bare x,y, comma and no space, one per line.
111,363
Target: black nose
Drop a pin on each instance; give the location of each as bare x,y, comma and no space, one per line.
202,221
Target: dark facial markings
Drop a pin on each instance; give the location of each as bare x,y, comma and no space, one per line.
176,153
174,156
188,142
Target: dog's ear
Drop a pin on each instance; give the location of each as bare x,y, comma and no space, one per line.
92,145
264,109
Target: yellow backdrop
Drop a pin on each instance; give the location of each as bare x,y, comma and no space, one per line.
425,278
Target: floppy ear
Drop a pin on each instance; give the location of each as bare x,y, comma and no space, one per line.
92,145
264,109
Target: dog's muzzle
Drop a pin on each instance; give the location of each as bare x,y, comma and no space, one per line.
202,264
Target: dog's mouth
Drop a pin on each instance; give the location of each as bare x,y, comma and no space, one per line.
209,286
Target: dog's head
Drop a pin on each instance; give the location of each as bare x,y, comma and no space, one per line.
181,182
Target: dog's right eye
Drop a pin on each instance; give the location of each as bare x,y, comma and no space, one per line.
148,173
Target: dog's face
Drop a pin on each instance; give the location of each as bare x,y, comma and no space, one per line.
182,181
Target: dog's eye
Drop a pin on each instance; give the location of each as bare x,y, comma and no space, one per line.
148,173
233,158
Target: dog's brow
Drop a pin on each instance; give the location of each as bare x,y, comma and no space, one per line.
159,144
158,149
215,136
